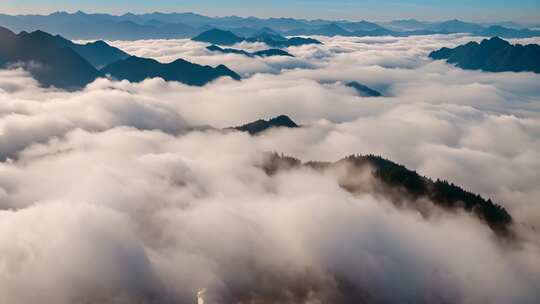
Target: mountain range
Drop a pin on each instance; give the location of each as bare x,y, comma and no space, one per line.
402,187
157,25
48,58
136,69
492,55
58,62
223,37
263,53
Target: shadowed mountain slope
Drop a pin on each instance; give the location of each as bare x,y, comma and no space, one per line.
137,69
56,61
492,55
403,187
50,61
97,53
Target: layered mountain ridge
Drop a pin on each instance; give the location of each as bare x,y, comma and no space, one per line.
223,37
80,25
57,62
136,69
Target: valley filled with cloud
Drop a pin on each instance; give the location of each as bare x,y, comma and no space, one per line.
138,193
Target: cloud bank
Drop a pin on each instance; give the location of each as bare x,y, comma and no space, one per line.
121,193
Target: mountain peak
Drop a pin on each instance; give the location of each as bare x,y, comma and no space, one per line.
59,13
495,42
283,121
218,36
261,125
99,43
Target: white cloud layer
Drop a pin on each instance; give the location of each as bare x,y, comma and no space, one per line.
109,195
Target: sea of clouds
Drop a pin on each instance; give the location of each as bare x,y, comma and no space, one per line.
131,192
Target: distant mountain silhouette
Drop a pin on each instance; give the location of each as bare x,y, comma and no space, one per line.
222,37
80,25
407,25
265,30
360,26
157,25
245,31
363,90
456,26
358,29
336,30
50,62
508,24
330,30
261,125
501,31
493,55
379,32
403,187
136,69
264,53
99,53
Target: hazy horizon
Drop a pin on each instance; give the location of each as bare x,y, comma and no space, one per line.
522,11
261,17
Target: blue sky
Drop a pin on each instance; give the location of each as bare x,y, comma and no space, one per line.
475,10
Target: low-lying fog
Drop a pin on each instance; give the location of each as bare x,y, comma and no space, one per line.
121,193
